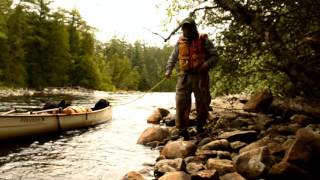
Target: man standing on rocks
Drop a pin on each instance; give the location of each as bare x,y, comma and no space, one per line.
196,55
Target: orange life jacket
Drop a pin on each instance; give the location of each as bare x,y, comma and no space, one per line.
191,54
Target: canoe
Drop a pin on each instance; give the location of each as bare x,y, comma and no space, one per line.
22,125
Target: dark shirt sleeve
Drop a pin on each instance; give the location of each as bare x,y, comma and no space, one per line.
212,57
172,59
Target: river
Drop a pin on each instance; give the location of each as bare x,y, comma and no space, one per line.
107,151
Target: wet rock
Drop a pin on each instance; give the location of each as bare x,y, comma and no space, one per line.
157,115
237,145
161,157
153,134
232,176
210,174
221,144
255,163
285,170
147,172
153,144
168,165
178,175
178,149
245,136
133,176
259,102
170,119
222,166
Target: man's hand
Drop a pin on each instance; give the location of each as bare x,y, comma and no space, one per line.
204,67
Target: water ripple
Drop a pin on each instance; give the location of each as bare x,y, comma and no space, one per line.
107,151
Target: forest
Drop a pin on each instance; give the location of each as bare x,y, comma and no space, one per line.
262,44
41,47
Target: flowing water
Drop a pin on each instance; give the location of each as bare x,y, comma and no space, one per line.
106,151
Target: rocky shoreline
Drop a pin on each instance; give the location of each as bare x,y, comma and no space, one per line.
245,138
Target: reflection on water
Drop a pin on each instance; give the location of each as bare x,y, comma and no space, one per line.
107,151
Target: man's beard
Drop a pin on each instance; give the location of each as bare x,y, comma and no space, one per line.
191,35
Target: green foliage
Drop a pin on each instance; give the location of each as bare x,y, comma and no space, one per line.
262,44
41,48
137,67
14,71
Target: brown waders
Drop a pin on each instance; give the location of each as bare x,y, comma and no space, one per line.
198,83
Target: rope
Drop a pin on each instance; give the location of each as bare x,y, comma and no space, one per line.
232,109
151,89
155,86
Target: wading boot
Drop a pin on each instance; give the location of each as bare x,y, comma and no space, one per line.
185,134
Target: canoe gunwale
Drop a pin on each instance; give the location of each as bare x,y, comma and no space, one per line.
54,115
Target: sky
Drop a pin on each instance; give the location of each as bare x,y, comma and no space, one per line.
129,19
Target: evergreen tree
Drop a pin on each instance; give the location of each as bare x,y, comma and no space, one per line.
14,72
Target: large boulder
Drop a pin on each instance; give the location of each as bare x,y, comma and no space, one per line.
178,149
285,170
302,158
305,151
178,175
259,102
153,134
301,151
157,115
255,163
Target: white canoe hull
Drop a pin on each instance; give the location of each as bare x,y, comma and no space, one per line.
19,125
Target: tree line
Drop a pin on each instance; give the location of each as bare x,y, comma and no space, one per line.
262,44
42,47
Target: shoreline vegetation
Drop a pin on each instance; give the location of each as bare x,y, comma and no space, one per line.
7,92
